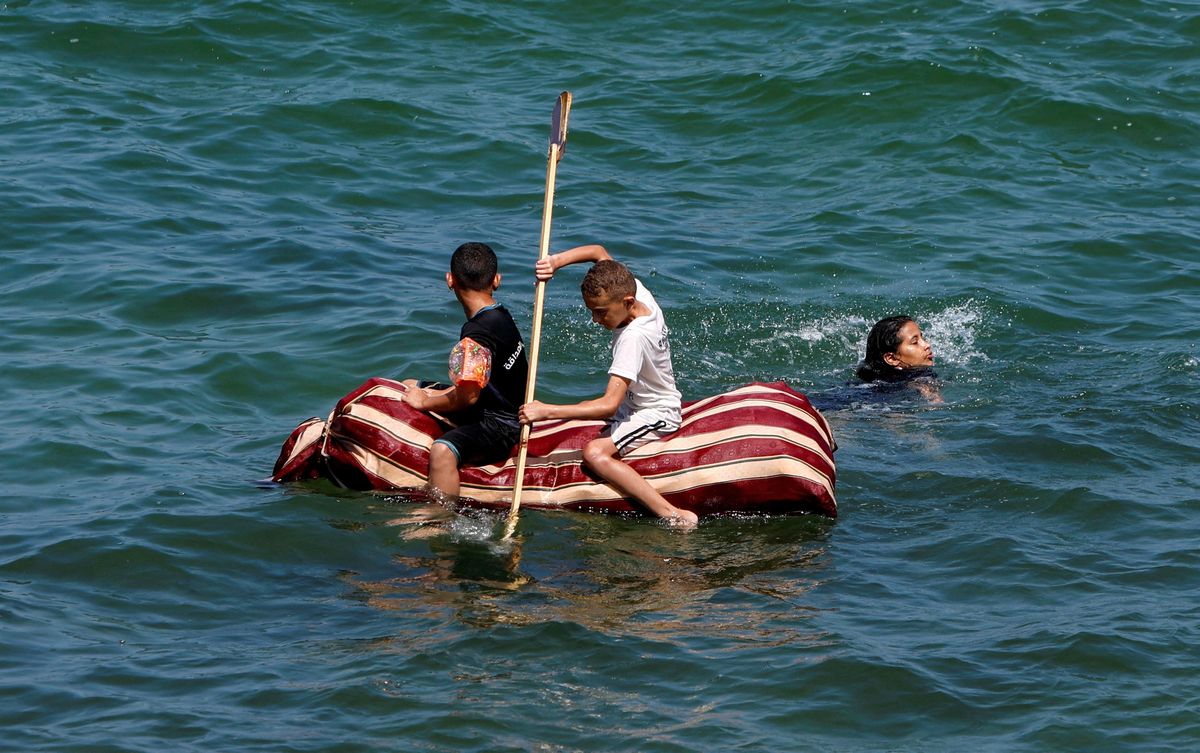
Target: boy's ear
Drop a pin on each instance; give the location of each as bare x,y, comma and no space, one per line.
496,281
628,301
450,280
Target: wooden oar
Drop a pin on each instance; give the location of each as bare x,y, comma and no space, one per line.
558,142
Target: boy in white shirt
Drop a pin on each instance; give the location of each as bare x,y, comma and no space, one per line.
640,402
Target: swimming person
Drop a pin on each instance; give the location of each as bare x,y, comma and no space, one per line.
896,352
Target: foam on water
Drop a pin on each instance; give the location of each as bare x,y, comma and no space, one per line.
953,330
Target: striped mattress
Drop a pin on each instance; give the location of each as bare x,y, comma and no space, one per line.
761,448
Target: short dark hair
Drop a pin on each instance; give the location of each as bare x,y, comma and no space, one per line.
474,266
608,277
884,338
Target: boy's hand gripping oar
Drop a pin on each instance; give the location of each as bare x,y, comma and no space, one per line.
558,142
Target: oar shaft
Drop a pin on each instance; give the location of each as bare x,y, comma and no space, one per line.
539,301
539,292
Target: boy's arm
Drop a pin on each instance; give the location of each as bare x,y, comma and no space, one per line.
601,407
545,268
470,368
460,396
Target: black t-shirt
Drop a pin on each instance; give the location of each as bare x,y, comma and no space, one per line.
493,328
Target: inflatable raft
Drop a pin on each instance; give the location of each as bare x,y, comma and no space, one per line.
761,448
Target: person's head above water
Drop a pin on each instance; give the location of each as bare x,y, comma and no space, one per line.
473,266
896,350
610,293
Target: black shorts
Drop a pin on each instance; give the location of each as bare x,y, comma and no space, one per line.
489,440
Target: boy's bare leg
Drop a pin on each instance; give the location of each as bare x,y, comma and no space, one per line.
443,471
600,455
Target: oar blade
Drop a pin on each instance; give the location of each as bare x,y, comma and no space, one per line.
558,122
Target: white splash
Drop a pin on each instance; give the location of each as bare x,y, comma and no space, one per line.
952,333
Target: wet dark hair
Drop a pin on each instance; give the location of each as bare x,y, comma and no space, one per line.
474,266
884,338
608,277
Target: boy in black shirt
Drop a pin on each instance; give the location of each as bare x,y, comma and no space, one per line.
488,371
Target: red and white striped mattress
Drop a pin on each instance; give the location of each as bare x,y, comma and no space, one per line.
761,448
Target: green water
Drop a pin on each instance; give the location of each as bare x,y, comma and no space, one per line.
217,220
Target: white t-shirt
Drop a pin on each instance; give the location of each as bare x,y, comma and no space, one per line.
642,354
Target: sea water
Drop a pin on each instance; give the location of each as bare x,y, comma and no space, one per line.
219,218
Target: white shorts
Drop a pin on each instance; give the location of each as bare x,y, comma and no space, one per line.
631,432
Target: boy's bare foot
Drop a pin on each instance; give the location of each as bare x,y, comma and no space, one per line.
439,497
684,520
